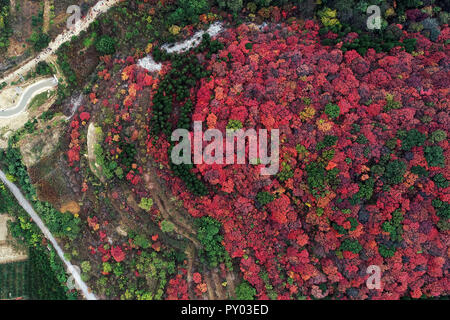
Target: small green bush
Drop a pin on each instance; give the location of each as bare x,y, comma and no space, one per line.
146,204
234,125
440,181
167,226
264,197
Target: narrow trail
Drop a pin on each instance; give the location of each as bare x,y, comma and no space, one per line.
177,216
71,269
46,24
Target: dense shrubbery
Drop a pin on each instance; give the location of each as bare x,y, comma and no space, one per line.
14,280
382,41
178,85
350,16
264,198
185,73
31,279
155,268
39,40
209,236
64,90
5,27
175,84
187,11
44,280
67,70
43,69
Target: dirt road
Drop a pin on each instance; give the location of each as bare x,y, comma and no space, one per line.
101,7
71,269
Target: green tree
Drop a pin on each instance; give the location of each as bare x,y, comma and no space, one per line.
234,125
438,136
5,27
413,138
86,266
105,45
235,6
332,110
394,172
39,40
188,11
385,251
440,181
434,156
351,245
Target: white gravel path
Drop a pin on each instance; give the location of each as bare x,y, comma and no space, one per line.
194,41
148,62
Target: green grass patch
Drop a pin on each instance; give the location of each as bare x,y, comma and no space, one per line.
39,100
89,41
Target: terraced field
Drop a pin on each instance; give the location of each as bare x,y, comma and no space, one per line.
14,280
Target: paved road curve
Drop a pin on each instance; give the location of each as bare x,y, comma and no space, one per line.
29,209
27,95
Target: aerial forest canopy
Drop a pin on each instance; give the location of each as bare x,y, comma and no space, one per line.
361,121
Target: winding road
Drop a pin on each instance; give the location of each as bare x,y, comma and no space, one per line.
25,204
27,95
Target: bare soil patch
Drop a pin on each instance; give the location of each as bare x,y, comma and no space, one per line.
8,251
